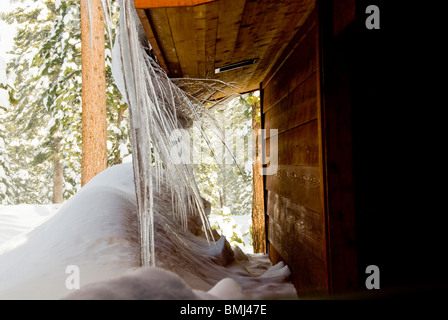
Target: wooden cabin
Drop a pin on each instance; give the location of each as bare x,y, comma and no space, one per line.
335,204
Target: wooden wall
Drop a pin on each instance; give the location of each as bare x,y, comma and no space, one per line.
336,18
295,193
346,193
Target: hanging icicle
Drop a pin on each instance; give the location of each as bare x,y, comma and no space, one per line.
157,108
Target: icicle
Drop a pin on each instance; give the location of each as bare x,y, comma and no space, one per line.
89,6
106,5
157,108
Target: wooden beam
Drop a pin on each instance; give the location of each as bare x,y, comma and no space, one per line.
212,13
162,32
258,211
146,4
200,29
182,23
151,38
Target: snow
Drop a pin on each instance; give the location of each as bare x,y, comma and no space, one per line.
4,95
3,77
7,31
234,227
3,187
20,219
96,231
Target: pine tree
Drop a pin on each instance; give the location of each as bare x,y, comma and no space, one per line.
24,118
45,124
5,181
225,178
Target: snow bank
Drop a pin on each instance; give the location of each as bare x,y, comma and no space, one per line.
96,230
19,219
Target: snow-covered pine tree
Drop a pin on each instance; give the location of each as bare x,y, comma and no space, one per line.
5,180
223,182
25,118
45,125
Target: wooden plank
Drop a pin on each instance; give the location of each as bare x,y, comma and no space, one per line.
274,13
295,193
344,12
229,20
253,16
298,146
258,212
274,255
254,12
212,12
294,109
338,169
289,17
152,39
162,32
146,4
291,73
322,157
295,230
200,26
300,184
296,14
307,22
184,39
297,236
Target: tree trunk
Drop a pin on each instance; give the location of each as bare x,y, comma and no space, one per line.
258,218
58,174
94,126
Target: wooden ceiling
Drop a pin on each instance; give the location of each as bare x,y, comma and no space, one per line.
192,41
167,3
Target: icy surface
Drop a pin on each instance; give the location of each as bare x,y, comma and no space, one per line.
97,231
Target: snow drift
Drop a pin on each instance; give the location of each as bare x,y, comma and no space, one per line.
97,231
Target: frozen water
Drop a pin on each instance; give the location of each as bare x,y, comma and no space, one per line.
157,108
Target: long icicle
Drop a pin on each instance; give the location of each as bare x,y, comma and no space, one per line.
157,108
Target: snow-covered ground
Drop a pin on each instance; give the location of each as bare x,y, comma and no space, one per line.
235,228
92,240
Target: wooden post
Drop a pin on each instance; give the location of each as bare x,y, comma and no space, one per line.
94,126
258,215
